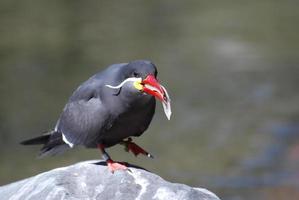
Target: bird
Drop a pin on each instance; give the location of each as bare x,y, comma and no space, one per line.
107,109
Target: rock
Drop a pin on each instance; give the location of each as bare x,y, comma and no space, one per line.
92,180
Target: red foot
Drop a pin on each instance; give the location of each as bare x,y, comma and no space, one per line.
135,149
113,166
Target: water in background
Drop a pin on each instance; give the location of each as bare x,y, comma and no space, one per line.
231,69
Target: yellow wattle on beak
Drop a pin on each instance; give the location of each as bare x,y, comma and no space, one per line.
138,85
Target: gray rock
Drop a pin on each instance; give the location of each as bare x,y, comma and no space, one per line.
92,180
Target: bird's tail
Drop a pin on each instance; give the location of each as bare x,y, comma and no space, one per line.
52,141
43,139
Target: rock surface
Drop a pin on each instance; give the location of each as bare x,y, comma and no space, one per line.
92,180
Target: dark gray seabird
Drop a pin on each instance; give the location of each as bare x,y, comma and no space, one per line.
108,109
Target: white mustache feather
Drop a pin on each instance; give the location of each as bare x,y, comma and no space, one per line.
132,79
165,103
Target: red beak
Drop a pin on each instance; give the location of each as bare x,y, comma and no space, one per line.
153,87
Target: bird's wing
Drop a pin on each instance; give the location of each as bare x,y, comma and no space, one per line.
83,117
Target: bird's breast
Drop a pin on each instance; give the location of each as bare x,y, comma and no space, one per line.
133,122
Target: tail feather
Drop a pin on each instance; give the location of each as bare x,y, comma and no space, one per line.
52,143
52,151
43,139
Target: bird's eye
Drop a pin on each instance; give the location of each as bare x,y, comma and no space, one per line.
135,74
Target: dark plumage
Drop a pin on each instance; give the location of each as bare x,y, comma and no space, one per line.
100,113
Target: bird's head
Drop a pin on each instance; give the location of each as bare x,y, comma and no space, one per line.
140,79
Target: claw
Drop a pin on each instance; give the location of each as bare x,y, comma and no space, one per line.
135,149
114,166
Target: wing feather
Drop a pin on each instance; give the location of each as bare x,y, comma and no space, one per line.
82,121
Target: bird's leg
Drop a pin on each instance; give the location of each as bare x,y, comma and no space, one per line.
112,166
134,148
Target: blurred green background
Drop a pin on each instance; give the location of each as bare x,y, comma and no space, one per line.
231,68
